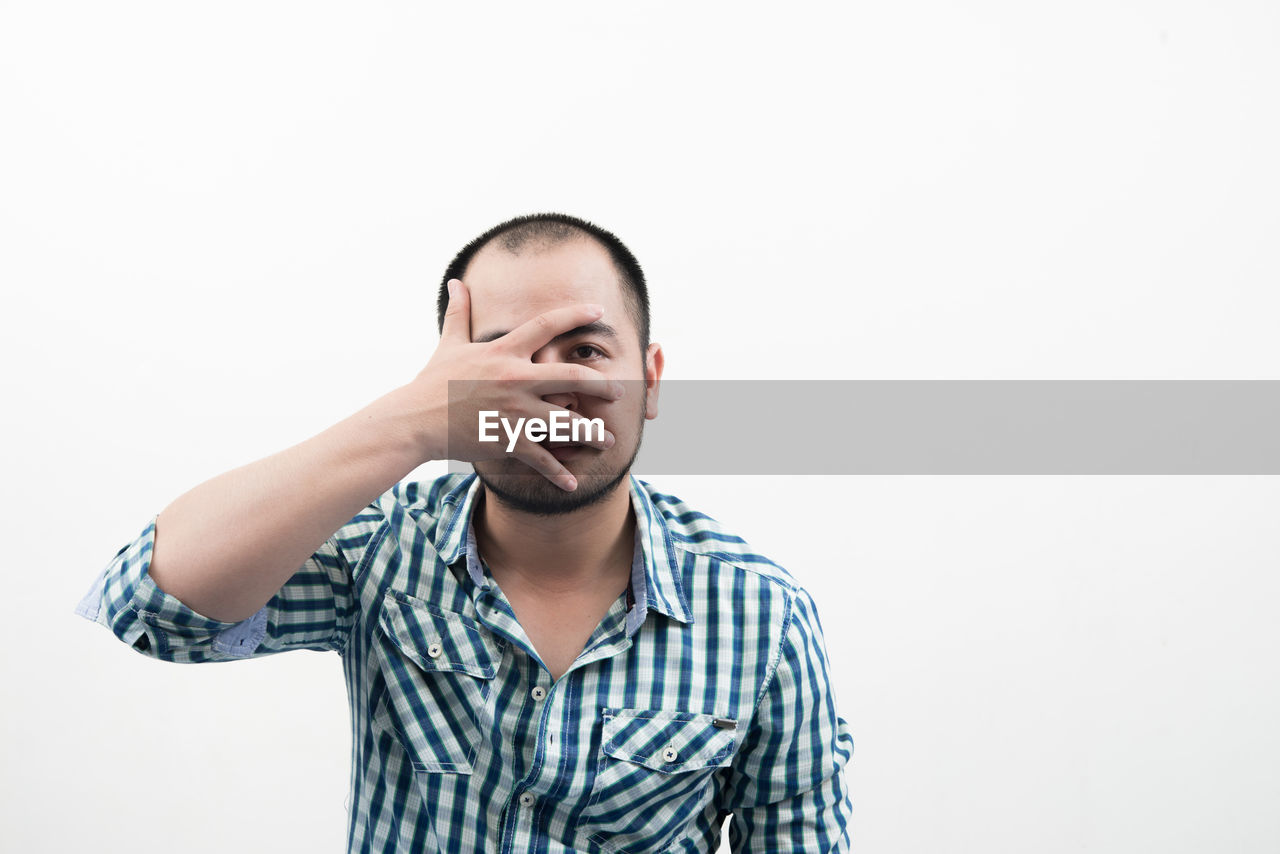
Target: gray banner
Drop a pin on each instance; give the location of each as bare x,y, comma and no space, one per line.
963,427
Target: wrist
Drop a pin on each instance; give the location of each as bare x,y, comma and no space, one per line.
402,428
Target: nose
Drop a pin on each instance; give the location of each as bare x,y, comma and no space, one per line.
565,400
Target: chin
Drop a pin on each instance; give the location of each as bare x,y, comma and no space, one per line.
515,485
537,496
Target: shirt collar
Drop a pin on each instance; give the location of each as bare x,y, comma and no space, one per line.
656,577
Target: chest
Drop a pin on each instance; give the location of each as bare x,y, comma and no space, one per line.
558,627
472,739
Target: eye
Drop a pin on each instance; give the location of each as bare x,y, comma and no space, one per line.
587,351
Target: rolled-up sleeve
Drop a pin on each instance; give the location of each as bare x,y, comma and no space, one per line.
788,790
315,608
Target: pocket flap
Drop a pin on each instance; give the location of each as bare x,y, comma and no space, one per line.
668,741
436,639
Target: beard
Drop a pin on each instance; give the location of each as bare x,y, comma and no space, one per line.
516,485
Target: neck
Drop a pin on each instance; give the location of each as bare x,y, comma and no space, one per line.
571,553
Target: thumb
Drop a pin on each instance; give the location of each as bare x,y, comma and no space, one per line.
457,317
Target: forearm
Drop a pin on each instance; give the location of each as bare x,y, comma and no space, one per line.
226,546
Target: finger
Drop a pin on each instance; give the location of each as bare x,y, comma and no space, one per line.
561,377
541,461
457,317
532,335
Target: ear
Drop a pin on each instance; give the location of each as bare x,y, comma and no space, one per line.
653,360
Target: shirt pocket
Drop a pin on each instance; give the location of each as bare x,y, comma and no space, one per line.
438,667
654,775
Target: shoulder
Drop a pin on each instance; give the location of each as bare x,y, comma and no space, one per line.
412,510
742,598
430,497
699,535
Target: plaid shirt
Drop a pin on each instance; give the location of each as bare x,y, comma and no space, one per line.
707,696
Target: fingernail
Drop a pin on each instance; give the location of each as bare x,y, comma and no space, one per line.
452,287
571,482
595,309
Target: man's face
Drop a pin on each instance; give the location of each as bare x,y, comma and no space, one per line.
507,290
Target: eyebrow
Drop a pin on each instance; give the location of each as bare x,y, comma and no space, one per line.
596,328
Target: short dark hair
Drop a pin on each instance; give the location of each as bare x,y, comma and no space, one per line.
552,229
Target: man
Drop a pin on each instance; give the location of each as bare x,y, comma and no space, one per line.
546,655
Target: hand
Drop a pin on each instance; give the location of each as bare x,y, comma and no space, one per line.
501,375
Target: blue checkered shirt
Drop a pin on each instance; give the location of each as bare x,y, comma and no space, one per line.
703,692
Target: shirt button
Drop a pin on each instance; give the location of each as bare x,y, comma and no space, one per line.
538,692
669,755
526,799
434,650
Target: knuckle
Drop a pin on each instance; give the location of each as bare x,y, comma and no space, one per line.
509,376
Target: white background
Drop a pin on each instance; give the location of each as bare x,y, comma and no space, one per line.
221,228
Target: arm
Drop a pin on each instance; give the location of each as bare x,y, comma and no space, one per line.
269,548
236,573
226,546
788,789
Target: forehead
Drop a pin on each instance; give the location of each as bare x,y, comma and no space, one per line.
507,290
